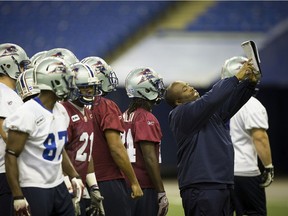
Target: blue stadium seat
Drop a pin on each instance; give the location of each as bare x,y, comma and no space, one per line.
241,16
86,28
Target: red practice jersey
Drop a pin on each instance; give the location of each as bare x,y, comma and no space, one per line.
80,138
141,125
107,116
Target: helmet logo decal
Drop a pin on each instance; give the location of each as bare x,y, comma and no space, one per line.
11,50
76,69
99,67
57,67
146,75
58,54
98,64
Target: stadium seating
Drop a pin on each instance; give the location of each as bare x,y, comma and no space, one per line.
99,27
85,27
241,16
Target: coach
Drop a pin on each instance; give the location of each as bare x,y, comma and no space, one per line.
205,155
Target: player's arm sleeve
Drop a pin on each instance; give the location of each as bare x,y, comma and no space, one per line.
148,130
20,121
112,121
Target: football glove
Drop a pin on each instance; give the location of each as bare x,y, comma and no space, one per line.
21,206
76,205
96,207
77,188
163,204
267,176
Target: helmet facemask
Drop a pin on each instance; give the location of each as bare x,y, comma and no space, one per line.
64,87
113,80
87,83
104,73
88,98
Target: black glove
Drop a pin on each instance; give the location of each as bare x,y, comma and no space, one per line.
267,176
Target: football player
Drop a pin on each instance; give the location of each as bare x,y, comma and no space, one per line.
37,57
35,155
62,53
109,154
81,135
25,86
248,130
142,139
13,61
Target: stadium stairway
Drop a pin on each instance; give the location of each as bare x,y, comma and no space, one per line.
184,13
175,17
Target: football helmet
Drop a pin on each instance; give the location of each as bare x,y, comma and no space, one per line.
25,85
144,83
13,60
232,66
62,53
104,73
37,56
84,79
54,74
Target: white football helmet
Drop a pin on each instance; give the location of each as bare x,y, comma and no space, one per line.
104,73
232,66
37,56
13,60
62,53
84,78
144,83
54,74
25,85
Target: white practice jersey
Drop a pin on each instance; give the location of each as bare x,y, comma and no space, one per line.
252,115
40,161
9,102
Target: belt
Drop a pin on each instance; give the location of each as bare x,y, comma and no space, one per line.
208,186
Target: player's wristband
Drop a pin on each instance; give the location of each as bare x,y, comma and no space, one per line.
8,151
68,184
269,166
94,187
161,194
91,180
